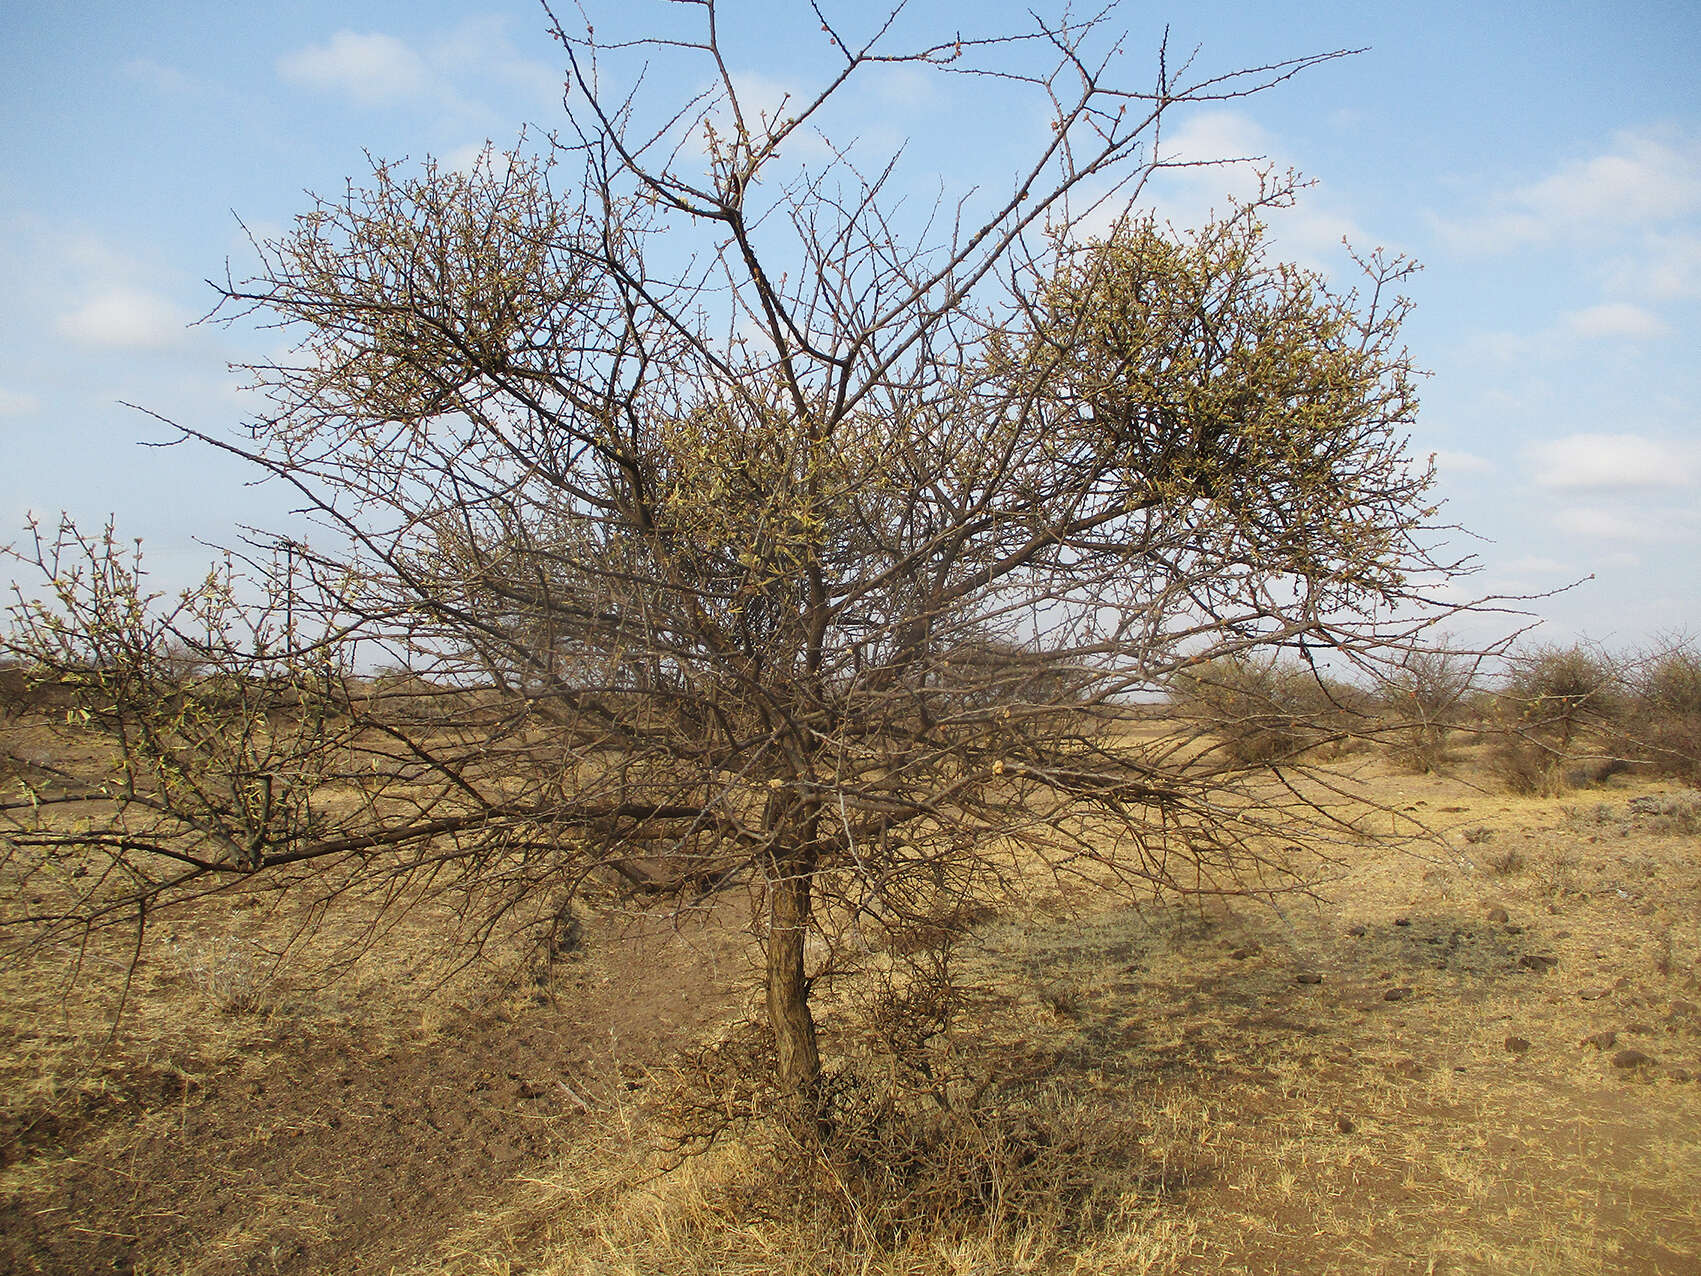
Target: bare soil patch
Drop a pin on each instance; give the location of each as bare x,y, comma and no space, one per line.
339,1133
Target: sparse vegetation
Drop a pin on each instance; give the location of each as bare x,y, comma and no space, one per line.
820,571
1572,717
1110,1089
1663,718
1261,708
1428,695
761,846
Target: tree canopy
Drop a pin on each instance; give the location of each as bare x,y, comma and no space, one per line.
738,529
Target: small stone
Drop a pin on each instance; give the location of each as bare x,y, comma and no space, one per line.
1639,1030
1308,977
1396,994
1679,1074
1601,1040
1357,932
1541,963
1345,1124
1517,1045
1402,921
1593,994
1248,950
1681,1009
1631,1059
1499,916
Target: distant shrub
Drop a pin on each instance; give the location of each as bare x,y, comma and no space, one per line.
1425,698
1558,714
1507,862
1263,710
1560,693
14,690
1524,766
1663,721
405,696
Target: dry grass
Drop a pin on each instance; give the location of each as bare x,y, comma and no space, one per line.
1435,1096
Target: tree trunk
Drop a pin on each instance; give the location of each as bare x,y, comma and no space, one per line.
788,990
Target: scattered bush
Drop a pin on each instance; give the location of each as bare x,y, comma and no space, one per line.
1570,717
1263,710
1557,713
1507,862
1425,698
1663,723
1524,766
1557,694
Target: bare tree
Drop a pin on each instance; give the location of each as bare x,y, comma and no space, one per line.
754,532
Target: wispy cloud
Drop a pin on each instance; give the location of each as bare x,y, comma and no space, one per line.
1616,319
1217,158
1665,266
1593,523
1448,461
451,69
1612,462
371,68
1645,179
124,319
158,76
1539,565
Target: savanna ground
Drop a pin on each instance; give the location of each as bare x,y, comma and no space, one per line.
1477,1054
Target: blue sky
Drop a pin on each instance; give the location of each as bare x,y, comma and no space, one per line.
1542,162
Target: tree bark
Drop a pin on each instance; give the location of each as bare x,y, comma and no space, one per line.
789,904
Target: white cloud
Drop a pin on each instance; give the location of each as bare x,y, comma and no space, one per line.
1217,158
1591,523
1453,462
1604,462
1616,319
906,86
1540,565
373,69
481,48
124,319
1643,180
1665,266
